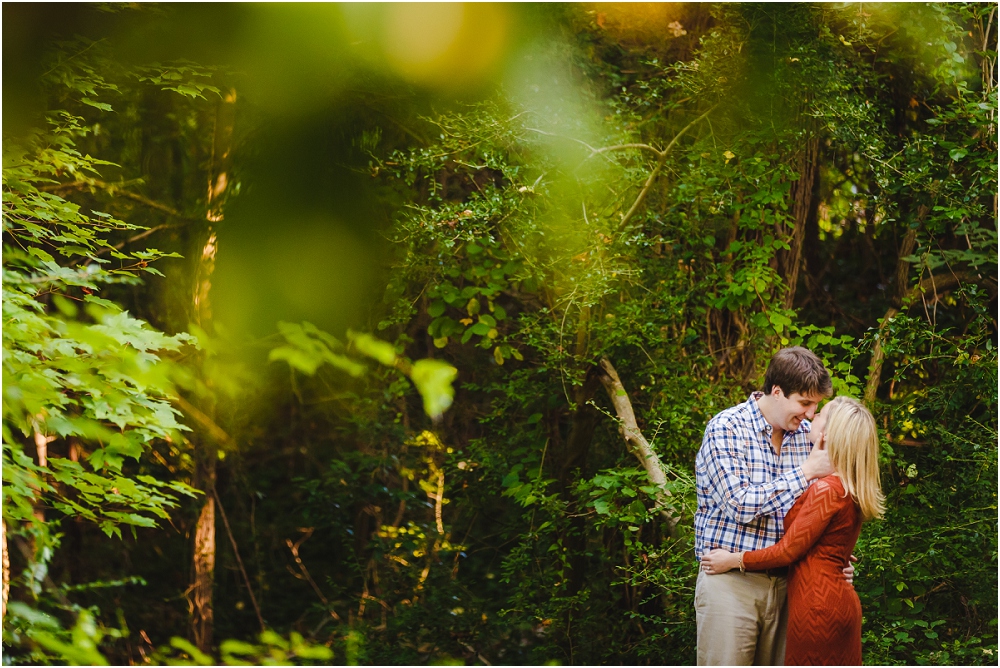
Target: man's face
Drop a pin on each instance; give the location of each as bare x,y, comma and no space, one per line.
792,409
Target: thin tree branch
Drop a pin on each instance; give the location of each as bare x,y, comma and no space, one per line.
642,193
552,134
208,423
942,282
113,189
622,147
294,547
236,551
138,237
657,168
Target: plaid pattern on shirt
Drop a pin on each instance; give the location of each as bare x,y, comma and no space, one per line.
743,489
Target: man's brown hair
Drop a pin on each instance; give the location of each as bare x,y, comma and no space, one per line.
797,369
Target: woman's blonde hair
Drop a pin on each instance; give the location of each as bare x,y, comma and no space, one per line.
852,440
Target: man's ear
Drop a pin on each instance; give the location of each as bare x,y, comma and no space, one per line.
776,392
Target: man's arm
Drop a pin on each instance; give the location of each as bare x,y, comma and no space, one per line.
728,474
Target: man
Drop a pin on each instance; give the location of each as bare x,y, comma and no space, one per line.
754,461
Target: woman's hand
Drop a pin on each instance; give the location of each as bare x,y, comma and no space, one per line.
720,561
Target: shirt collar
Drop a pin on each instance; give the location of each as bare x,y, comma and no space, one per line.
756,416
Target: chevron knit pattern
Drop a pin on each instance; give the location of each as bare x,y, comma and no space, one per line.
824,613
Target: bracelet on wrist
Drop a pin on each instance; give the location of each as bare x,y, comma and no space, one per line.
742,567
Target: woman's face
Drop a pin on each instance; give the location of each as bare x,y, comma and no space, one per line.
818,427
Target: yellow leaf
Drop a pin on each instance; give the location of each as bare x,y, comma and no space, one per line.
497,355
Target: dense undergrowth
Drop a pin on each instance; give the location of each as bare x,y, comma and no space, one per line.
669,199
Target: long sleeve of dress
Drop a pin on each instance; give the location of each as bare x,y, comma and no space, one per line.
819,504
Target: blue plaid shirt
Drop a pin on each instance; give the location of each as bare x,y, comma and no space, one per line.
743,489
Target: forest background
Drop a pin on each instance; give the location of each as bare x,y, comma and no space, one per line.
388,333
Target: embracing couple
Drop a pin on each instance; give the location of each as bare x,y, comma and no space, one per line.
780,505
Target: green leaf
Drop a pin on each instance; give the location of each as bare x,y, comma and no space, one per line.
97,105
374,348
436,308
779,320
200,657
957,154
296,358
510,480
433,380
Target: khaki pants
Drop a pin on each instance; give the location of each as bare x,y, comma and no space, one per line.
742,619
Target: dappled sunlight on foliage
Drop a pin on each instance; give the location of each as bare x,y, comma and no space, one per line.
388,333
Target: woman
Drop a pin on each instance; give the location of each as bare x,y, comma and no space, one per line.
824,613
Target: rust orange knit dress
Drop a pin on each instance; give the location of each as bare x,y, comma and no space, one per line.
824,613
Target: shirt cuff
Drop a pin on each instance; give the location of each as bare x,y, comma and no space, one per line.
797,483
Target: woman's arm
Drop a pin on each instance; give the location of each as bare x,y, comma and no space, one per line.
819,504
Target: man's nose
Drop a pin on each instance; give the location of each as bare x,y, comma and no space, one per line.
811,412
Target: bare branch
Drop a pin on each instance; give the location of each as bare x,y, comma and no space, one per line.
294,547
552,134
113,189
943,282
623,147
657,168
642,193
131,240
214,430
686,128
236,551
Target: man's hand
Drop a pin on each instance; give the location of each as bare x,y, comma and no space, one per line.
817,464
849,571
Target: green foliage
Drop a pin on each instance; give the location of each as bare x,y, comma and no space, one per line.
271,650
97,375
308,348
79,370
619,199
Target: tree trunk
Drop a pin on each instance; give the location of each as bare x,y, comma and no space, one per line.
636,442
206,452
581,432
6,569
42,452
801,193
902,278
